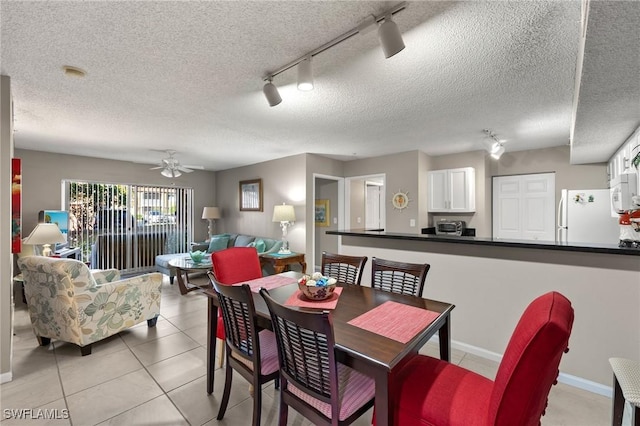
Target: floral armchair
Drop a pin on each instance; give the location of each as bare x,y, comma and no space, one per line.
69,302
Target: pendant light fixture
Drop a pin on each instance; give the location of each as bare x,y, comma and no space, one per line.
388,33
305,75
390,37
271,93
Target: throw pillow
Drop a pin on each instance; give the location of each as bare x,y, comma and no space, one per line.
260,246
217,243
244,240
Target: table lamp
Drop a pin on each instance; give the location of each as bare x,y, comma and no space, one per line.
286,216
45,234
211,214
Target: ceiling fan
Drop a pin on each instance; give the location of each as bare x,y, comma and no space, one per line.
171,167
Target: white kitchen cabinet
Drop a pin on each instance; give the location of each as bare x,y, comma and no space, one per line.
452,190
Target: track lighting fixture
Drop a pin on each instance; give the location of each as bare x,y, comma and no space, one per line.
494,146
305,75
390,37
271,93
390,40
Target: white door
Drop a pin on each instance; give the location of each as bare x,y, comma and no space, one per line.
373,202
524,207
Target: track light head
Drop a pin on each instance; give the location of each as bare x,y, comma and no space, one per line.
390,37
271,93
305,75
497,151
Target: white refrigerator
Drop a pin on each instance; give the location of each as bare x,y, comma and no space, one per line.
584,216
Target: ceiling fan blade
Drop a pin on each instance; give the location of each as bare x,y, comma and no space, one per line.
188,166
184,169
156,168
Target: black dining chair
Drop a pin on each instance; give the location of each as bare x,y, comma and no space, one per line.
398,277
312,381
250,352
345,269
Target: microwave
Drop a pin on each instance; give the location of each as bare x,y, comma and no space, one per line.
450,227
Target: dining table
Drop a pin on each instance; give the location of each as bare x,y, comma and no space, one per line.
364,323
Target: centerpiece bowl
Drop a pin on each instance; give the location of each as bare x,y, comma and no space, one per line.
197,256
317,286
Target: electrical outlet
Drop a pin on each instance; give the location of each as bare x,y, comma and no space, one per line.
335,220
412,223
358,219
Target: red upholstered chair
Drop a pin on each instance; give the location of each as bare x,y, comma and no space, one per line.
429,391
232,266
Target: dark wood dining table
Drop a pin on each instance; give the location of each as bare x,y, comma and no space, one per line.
365,351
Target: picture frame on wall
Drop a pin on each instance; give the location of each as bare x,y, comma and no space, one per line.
322,213
251,195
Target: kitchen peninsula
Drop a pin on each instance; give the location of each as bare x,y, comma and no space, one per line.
492,281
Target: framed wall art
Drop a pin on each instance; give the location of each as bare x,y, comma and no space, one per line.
251,195
322,213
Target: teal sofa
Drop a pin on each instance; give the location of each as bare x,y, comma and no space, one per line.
221,242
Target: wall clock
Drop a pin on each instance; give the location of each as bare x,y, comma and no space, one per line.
400,200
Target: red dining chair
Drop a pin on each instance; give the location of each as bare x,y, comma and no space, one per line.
232,266
429,391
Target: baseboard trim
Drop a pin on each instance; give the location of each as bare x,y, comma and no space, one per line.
6,377
567,379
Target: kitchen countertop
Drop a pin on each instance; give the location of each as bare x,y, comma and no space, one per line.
495,242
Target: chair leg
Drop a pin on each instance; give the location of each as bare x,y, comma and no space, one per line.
171,280
221,352
227,391
283,414
43,341
85,350
635,413
152,322
618,403
257,404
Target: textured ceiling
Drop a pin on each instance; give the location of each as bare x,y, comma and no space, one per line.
188,76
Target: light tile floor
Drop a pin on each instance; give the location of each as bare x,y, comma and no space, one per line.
156,376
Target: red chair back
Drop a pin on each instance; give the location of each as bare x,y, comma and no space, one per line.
530,363
236,264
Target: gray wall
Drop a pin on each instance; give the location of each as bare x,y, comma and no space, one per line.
6,266
44,172
283,181
402,173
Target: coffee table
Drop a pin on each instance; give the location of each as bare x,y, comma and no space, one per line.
183,266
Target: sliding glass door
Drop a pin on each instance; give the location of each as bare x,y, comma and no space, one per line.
126,226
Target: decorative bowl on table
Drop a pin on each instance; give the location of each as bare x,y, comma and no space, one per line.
317,286
197,256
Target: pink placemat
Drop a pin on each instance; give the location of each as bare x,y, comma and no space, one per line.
395,320
298,299
269,282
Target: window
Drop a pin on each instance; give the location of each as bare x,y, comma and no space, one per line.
126,226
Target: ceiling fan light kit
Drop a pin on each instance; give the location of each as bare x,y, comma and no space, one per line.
171,167
388,34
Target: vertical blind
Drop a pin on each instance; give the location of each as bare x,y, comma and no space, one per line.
126,226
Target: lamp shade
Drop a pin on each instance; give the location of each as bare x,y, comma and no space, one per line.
211,213
390,37
284,213
45,233
271,93
170,173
